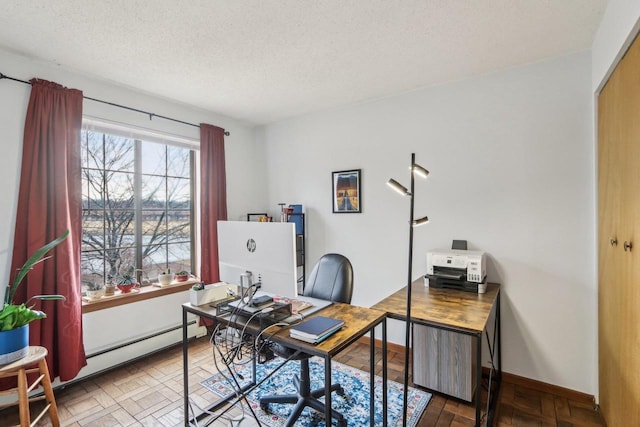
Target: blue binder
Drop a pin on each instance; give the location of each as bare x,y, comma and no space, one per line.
297,219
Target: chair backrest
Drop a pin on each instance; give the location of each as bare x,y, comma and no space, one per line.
331,279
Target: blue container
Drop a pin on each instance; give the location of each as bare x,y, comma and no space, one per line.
297,219
14,344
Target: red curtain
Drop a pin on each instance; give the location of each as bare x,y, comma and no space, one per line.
213,198
49,202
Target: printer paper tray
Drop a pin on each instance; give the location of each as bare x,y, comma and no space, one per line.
449,273
439,282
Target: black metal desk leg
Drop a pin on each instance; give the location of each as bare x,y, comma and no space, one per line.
185,367
478,377
327,392
384,373
372,371
499,327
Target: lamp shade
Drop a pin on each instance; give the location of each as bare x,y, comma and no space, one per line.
421,221
401,189
419,170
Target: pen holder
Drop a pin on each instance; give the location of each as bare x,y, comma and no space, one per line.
213,292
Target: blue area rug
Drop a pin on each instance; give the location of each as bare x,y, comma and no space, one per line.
355,406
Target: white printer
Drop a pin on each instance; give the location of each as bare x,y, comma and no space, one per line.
457,269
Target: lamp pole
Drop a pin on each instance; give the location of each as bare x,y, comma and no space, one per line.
409,280
395,185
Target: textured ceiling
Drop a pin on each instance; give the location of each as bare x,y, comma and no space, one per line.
261,61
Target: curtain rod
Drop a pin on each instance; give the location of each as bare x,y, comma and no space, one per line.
151,115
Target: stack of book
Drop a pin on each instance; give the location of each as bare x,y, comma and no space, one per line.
316,329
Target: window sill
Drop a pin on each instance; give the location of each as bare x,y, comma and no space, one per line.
145,293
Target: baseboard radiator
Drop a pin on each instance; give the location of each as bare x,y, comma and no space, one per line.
102,361
138,340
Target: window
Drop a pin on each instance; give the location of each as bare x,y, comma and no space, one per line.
137,205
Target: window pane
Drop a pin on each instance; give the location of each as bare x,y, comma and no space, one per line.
179,193
178,163
154,227
119,153
92,191
154,257
153,192
92,230
154,157
92,267
120,228
179,229
179,256
152,269
119,190
92,153
119,262
154,240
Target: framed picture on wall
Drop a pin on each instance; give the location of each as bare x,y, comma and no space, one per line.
347,197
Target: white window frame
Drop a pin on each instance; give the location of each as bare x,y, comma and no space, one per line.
150,135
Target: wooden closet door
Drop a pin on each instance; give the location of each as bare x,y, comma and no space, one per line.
619,220
630,205
609,196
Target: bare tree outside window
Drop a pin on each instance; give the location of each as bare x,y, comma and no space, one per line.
137,207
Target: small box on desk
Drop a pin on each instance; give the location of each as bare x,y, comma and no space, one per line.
212,292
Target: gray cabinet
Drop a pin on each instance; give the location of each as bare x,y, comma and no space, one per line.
444,361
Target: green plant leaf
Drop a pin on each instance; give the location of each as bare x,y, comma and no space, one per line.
33,260
8,317
14,316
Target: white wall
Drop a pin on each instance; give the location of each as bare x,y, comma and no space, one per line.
245,185
617,30
511,161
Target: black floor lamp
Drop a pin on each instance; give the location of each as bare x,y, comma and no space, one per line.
416,169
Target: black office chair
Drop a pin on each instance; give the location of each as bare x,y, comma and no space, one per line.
331,279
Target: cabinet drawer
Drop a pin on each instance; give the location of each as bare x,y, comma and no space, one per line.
444,361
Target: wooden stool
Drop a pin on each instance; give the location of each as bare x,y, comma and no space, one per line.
19,369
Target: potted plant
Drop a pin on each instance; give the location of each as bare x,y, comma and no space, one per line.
182,276
95,290
126,283
165,278
110,286
15,318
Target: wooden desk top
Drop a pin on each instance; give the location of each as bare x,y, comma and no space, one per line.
357,322
444,307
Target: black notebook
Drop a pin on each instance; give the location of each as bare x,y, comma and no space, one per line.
316,327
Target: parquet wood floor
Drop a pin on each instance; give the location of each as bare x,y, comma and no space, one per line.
149,393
